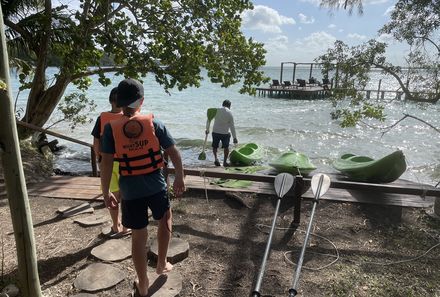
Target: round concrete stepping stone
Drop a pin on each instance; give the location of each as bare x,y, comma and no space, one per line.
164,285
177,250
98,276
113,250
84,295
92,220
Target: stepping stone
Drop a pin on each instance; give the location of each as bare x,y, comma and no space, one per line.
98,276
177,250
164,285
66,211
84,295
92,220
113,250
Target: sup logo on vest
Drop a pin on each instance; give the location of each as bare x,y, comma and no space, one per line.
132,129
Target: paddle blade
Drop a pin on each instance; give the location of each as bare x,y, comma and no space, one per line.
283,183
211,112
202,156
324,186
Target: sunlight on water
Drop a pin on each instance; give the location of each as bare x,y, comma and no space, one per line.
276,124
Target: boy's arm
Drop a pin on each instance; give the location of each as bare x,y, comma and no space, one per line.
234,134
96,148
179,184
106,175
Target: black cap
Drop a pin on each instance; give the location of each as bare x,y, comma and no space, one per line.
129,90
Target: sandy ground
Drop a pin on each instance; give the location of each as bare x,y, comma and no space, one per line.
356,250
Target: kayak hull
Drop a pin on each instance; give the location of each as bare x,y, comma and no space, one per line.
293,162
366,169
246,155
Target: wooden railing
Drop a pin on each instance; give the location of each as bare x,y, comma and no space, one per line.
58,135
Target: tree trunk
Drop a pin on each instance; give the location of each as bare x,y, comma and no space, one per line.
41,105
15,183
405,90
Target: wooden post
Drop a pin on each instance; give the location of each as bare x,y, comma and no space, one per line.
93,160
294,72
281,73
15,182
378,88
311,69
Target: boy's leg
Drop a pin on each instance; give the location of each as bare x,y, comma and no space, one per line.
114,214
226,154
139,256
215,145
163,239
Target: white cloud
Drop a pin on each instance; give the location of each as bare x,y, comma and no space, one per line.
386,38
356,36
277,43
265,19
341,30
318,40
388,10
305,19
280,49
331,26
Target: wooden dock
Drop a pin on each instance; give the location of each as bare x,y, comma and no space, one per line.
400,193
294,92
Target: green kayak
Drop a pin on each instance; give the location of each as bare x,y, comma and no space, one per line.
246,155
293,162
366,169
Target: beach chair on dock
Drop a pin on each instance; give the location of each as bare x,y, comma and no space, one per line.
301,82
288,84
276,84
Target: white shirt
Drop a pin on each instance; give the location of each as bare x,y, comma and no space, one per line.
223,122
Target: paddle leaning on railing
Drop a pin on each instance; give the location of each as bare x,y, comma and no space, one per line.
283,183
320,183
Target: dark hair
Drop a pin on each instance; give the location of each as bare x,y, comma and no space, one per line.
113,95
226,103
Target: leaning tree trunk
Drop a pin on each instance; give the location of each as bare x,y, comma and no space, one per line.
41,105
405,90
15,183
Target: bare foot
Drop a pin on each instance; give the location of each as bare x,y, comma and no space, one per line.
161,269
140,291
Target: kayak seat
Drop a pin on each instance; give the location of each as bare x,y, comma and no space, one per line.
246,150
346,156
252,145
361,159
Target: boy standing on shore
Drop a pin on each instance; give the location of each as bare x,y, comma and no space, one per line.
137,141
116,230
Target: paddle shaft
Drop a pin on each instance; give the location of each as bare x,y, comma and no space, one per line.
204,143
292,291
256,292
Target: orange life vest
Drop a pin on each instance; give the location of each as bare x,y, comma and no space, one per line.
107,117
136,145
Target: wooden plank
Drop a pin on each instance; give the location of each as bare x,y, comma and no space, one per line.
333,194
67,187
400,187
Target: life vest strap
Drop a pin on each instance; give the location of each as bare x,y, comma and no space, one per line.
124,162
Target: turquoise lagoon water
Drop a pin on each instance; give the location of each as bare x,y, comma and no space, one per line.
276,124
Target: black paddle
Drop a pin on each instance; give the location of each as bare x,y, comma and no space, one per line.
283,183
320,184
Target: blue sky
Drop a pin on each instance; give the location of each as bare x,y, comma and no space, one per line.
299,30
